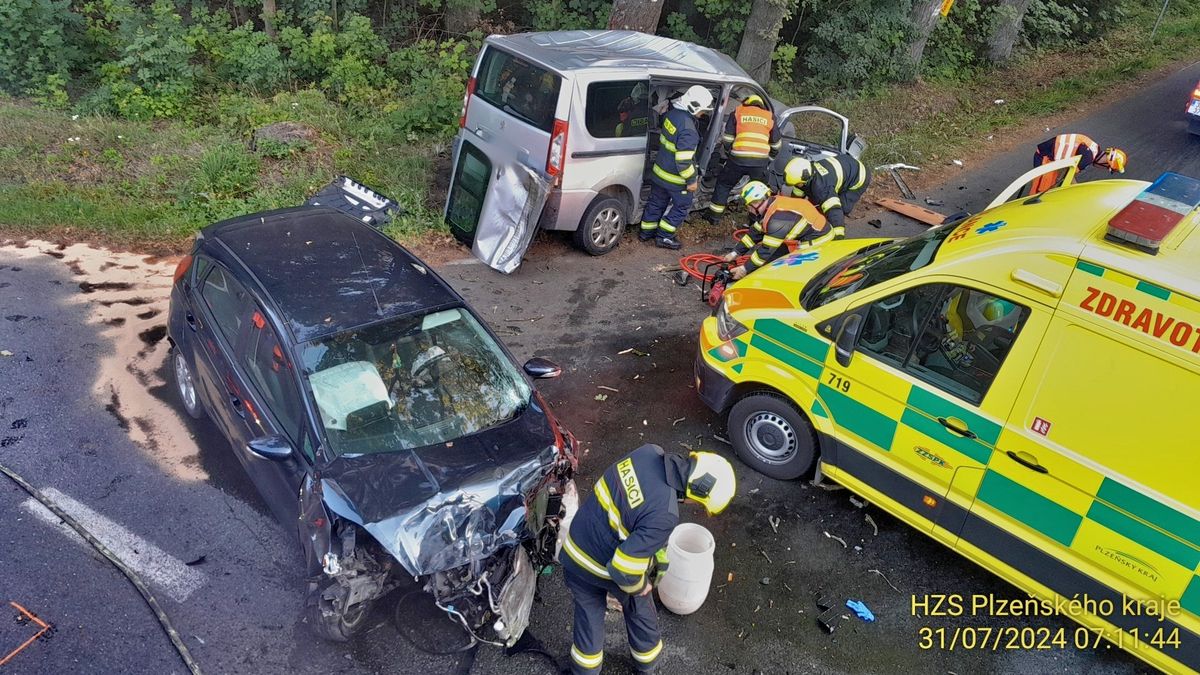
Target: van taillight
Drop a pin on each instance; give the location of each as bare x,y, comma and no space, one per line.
556,157
462,116
185,264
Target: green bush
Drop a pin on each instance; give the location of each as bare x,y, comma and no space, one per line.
856,43
37,41
432,98
568,14
250,60
152,76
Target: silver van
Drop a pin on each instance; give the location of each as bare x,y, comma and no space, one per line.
557,129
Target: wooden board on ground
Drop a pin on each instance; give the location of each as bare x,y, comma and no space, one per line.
918,213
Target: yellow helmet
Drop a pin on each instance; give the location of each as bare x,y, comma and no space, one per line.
798,171
711,482
755,191
1115,159
754,99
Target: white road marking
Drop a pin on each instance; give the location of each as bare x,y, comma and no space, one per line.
152,563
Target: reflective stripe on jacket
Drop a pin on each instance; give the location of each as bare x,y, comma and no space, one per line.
1063,146
786,219
833,177
751,135
675,165
626,521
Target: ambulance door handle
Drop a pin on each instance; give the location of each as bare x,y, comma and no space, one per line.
957,426
1028,461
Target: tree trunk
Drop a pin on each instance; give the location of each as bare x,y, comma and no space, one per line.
268,18
462,16
1006,28
761,36
925,15
640,15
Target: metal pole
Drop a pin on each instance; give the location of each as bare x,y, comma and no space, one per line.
1159,19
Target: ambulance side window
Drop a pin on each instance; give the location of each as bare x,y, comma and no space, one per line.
964,343
952,337
892,324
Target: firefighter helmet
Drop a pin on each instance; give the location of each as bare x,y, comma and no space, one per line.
1114,159
697,100
754,99
798,171
711,481
755,191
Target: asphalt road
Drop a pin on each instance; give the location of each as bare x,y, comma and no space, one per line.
86,415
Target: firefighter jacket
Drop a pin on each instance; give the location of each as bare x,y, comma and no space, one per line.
786,219
675,164
832,178
627,520
751,136
1070,145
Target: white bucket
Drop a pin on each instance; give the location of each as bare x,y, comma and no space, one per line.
684,587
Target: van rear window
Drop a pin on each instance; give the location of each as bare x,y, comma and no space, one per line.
517,87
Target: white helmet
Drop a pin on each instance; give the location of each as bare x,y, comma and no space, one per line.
711,482
798,171
696,100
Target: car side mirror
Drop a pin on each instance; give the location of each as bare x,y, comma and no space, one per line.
542,369
847,338
274,447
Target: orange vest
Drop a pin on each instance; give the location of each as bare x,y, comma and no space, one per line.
753,137
1066,144
816,219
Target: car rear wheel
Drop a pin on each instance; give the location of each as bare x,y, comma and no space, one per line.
185,385
602,225
771,436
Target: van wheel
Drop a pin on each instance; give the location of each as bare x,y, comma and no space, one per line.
772,436
602,225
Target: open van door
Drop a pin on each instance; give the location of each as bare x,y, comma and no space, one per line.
815,133
662,92
1069,166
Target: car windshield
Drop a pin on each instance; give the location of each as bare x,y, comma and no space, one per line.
411,382
873,265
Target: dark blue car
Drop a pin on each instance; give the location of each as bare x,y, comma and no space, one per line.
380,419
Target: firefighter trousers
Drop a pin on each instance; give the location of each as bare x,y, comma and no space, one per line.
729,176
665,210
587,644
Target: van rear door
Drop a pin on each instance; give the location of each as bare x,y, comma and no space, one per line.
502,170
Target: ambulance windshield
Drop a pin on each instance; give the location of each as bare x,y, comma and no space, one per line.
873,265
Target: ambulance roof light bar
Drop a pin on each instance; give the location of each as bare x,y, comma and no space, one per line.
1151,217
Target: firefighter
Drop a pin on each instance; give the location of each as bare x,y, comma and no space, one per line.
633,113
750,139
833,184
1063,146
778,220
674,177
619,531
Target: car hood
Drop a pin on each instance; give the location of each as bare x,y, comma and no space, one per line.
796,269
441,506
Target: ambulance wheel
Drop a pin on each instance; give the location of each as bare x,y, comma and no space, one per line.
602,225
772,436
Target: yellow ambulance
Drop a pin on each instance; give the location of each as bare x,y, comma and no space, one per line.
1021,385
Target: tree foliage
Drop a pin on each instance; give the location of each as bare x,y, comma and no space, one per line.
408,59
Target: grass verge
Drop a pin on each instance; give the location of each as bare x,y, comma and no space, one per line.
149,186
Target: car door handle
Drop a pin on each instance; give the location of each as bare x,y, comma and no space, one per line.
191,320
957,426
237,405
1027,460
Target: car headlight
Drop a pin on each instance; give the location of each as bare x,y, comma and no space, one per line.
728,327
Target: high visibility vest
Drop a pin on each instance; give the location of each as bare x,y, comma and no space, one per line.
1066,145
675,164
752,140
809,217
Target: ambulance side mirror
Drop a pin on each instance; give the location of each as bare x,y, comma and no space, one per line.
847,337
